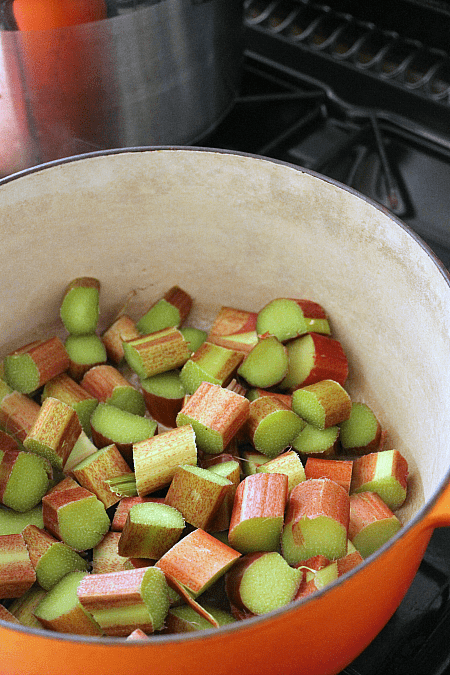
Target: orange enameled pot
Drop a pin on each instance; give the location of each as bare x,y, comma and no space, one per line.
240,230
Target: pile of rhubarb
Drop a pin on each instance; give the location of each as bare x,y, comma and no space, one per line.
156,477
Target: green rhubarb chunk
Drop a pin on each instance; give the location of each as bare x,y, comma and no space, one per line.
84,410
56,562
27,483
79,310
166,385
208,440
128,398
361,427
23,608
155,594
195,337
276,431
257,534
309,537
266,364
193,373
316,325
312,440
185,619
162,315
283,318
21,373
83,523
13,522
162,526
270,583
307,405
301,356
86,349
120,425
368,540
62,599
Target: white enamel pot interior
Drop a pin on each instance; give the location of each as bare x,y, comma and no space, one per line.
240,230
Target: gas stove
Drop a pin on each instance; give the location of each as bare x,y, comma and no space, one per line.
360,92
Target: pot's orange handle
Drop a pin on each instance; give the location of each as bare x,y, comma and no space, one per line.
49,14
439,515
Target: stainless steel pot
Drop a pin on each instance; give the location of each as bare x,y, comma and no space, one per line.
162,73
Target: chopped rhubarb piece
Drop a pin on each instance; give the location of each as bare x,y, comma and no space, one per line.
385,473
266,364
121,330
313,564
314,442
170,310
210,363
60,610
251,460
316,521
156,459
372,522
197,493
315,317
230,470
106,557
157,352
79,309
12,522
93,472
186,619
75,516
150,530
8,442
261,582
121,602
54,433
312,358
197,561
28,368
85,351
258,513
18,412
164,396
239,342
361,433
288,463
83,448
338,470
231,321
17,573
123,508
113,425
5,615
52,559
322,404
216,415
23,608
195,337
65,389
137,634
351,559
282,318
108,385
271,425
256,392
24,479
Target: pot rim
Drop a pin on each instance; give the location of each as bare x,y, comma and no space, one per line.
419,517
